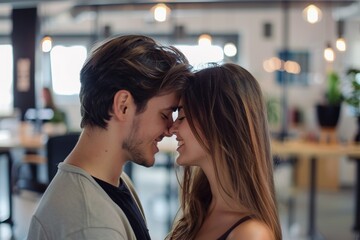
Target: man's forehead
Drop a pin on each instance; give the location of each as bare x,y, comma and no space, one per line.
172,108
168,102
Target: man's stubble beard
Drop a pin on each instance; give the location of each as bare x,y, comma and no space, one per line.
133,146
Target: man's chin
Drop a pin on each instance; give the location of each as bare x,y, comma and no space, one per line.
150,163
146,162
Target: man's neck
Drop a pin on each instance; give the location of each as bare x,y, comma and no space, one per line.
99,154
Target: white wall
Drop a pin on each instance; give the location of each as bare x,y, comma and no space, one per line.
253,47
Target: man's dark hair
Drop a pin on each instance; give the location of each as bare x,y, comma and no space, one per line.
134,63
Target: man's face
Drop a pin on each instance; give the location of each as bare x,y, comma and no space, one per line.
149,128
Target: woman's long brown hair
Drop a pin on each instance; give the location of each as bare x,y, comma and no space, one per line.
226,104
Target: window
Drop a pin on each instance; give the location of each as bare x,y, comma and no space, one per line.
199,56
6,79
66,63
66,74
302,59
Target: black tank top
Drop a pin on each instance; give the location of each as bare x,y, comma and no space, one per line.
226,234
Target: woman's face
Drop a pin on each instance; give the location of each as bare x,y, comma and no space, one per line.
190,151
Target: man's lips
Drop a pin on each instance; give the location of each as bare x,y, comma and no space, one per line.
155,145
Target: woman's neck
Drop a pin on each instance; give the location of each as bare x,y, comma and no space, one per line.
220,199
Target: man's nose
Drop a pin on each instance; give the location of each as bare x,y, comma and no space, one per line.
168,133
173,128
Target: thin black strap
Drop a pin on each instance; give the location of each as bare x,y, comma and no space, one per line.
226,234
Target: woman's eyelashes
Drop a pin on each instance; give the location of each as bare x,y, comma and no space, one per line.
180,118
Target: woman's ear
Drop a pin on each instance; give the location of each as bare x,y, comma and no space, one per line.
122,101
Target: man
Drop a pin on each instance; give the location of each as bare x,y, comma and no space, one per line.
129,88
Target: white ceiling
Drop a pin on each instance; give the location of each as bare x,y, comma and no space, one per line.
64,15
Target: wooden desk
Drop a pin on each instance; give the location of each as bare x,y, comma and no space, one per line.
313,151
23,138
310,149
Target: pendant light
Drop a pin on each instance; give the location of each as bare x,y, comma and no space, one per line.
46,44
161,12
205,40
340,42
329,54
312,14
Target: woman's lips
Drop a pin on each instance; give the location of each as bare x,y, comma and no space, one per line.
180,144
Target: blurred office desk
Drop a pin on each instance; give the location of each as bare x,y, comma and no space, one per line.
313,151
25,138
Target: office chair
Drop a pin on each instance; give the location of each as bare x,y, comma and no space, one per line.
57,149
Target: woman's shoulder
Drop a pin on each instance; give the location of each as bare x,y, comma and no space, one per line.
252,229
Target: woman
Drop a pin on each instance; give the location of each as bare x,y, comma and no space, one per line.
59,116
223,143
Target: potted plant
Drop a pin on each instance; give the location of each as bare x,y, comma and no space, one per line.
352,95
328,112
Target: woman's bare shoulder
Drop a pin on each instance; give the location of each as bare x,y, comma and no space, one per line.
251,230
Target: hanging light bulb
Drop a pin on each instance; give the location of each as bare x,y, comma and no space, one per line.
46,44
340,42
230,50
329,54
161,12
205,40
312,14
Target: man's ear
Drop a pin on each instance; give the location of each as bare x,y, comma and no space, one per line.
122,102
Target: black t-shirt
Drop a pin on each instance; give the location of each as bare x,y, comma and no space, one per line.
123,198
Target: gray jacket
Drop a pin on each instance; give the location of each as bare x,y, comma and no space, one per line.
74,206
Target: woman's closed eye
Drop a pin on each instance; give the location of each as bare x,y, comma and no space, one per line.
180,118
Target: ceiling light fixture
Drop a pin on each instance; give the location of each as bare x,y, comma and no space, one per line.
46,44
230,49
312,14
161,12
205,40
329,54
340,42
46,41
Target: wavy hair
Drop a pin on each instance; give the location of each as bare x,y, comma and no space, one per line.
135,63
224,104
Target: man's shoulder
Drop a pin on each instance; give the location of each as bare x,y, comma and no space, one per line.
64,196
78,203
